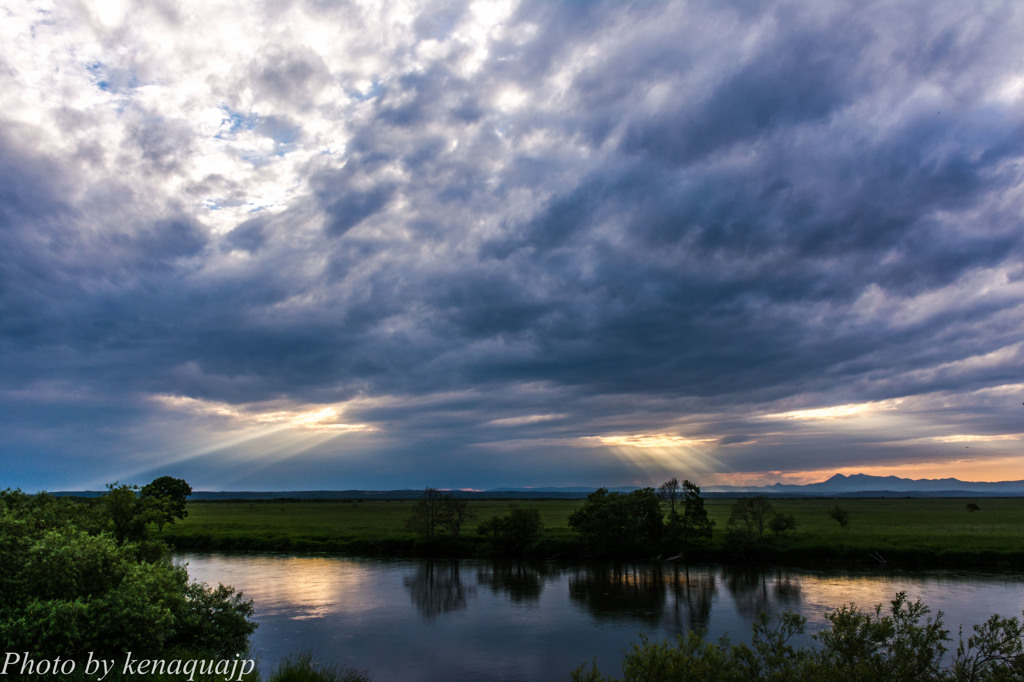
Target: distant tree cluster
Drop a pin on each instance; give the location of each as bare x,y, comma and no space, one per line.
513,533
436,515
687,519
647,521
751,519
619,523
669,521
673,520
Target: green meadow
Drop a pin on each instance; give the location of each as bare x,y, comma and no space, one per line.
371,527
922,532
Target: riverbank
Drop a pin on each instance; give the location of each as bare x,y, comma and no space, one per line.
914,532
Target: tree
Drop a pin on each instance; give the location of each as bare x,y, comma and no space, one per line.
781,525
696,524
840,516
670,493
166,496
615,524
749,517
514,532
426,514
454,514
127,514
437,513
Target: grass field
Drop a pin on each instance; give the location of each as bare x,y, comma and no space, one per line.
919,531
368,526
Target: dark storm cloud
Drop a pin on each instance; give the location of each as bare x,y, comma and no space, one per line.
649,211
346,206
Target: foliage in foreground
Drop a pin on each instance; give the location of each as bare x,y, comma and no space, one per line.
69,586
903,646
302,668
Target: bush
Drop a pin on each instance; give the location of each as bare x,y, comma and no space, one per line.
902,646
513,533
749,518
302,668
840,516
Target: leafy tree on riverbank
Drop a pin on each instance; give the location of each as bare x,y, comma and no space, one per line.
127,513
686,519
166,497
671,494
70,586
749,518
696,526
437,513
617,524
426,514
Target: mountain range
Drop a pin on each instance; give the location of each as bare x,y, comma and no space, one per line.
863,484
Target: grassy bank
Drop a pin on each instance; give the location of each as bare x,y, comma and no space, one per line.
918,531
367,527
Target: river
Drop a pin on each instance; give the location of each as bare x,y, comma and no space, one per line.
415,620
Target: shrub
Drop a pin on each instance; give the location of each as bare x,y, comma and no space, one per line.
902,646
749,518
840,516
302,668
513,533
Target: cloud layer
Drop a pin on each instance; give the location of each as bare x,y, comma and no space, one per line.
490,243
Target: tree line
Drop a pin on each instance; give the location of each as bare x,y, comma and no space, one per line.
672,520
437,515
667,521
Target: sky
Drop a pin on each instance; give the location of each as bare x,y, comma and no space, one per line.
305,244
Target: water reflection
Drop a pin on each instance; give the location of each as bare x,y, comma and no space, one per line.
617,591
517,621
692,592
436,588
301,587
756,590
671,596
520,582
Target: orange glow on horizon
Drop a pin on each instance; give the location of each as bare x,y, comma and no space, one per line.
973,470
